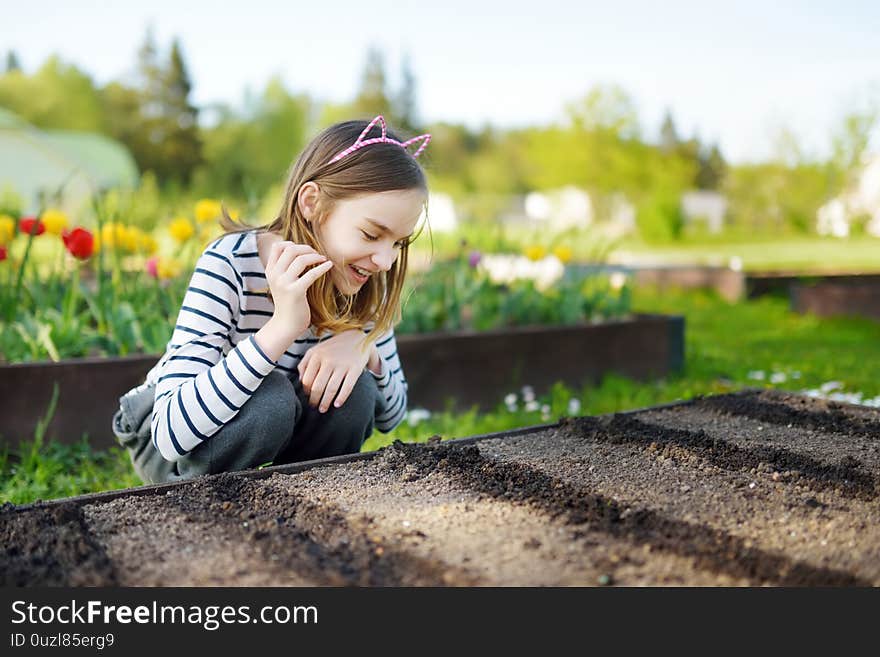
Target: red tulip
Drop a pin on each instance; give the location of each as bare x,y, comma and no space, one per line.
27,226
153,267
2,253
79,242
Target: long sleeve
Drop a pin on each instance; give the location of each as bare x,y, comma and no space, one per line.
203,381
391,383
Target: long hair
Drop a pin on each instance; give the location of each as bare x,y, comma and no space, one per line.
378,167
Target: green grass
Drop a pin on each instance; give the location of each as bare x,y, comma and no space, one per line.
725,342
792,253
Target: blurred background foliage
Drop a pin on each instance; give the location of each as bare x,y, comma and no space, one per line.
241,154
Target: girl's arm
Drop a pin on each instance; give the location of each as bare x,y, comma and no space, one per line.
202,382
391,382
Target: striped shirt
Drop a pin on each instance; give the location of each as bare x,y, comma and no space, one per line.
213,365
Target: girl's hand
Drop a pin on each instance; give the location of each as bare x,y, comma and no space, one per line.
288,280
332,368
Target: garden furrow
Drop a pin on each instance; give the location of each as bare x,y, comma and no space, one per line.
825,529
433,516
847,476
709,549
246,533
52,546
793,410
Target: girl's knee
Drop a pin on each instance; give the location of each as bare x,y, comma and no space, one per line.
257,435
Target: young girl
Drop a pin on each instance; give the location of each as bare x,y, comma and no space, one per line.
284,346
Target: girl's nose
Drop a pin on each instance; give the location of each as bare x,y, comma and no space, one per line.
384,258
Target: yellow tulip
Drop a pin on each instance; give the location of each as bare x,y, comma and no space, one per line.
55,221
7,229
147,244
181,229
167,268
535,252
207,209
130,238
112,235
563,253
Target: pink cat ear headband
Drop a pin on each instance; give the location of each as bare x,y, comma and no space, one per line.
360,142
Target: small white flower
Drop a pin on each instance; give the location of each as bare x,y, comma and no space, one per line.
795,375
416,415
574,406
617,280
532,406
828,386
778,377
510,400
528,394
756,375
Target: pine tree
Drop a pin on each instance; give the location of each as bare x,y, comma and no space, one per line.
711,169
162,132
405,107
372,97
12,63
668,135
183,148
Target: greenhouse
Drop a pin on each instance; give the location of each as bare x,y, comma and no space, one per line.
62,167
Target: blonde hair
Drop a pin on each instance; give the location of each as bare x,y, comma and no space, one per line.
380,167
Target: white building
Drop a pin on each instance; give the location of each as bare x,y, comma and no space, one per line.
862,200
704,205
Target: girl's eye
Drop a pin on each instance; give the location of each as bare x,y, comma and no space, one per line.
373,238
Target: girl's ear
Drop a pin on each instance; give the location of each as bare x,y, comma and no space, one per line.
308,199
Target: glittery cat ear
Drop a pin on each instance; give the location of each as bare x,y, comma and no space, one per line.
379,119
425,139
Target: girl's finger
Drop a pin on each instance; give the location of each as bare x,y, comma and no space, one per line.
289,252
287,278
331,390
348,385
301,368
309,373
319,385
314,274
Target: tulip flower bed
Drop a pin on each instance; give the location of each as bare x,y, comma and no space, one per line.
757,488
118,302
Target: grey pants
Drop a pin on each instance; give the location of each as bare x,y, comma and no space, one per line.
276,426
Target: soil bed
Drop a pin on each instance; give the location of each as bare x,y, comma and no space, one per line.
749,489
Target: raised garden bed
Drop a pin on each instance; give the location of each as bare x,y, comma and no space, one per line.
858,298
471,367
780,284
728,283
753,488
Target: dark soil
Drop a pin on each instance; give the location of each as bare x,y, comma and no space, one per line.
747,489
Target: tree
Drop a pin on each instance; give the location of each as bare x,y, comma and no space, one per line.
183,148
850,142
156,119
669,140
58,96
372,97
608,109
405,105
711,169
12,63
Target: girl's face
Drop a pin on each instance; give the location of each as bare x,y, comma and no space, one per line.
363,235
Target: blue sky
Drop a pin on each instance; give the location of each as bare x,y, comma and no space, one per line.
730,71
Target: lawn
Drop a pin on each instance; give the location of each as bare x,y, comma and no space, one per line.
829,254
728,346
